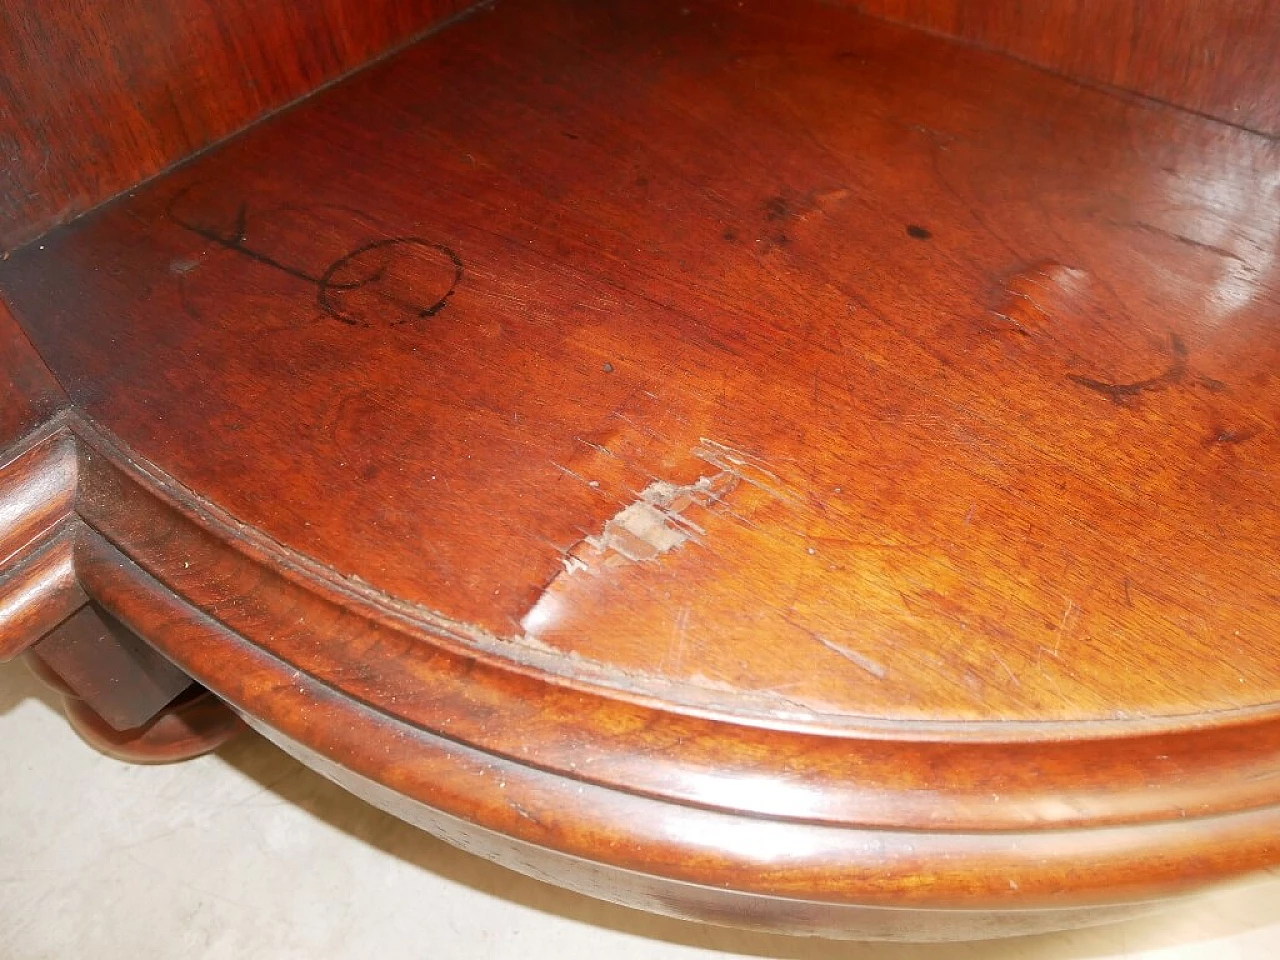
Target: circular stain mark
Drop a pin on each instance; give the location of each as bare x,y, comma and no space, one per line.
390,282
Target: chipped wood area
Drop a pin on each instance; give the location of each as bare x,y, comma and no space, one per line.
659,520
653,525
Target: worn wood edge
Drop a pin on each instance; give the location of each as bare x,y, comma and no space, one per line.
720,764
717,905
587,676
755,855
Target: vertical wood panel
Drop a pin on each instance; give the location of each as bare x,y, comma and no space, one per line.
1219,57
95,97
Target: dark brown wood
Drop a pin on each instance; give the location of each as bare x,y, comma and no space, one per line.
95,97
38,585
194,724
706,863
124,681
36,594
903,433
756,462
29,395
1217,57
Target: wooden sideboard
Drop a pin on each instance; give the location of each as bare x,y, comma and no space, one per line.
793,465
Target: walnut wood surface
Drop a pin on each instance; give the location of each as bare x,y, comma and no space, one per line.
783,873
124,681
1216,57
97,96
38,585
29,395
1019,469
755,447
194,724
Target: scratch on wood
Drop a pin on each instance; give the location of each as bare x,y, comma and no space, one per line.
745,467
1012,676
877,670
658,520
1064,627
682,631
596,447
661,518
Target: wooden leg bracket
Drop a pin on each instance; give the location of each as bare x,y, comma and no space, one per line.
193,723
119,694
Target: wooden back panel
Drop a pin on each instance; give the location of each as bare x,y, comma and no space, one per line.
1218,57
96,97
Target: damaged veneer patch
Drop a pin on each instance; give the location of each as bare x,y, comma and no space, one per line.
656,523
663,517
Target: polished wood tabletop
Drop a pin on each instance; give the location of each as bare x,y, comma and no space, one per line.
859,446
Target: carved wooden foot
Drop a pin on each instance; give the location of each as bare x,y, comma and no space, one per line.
195,724
125,700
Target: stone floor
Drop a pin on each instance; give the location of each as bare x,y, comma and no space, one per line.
246,854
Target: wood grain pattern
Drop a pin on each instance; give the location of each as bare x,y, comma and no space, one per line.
1217,58
29,395
782,874
37,492
96,97
427,674
883,420
756,462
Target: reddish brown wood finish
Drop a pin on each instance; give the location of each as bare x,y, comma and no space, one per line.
95,97
1217,57
29,395
754,462
191,726
903,433
38,585
124,681
196,724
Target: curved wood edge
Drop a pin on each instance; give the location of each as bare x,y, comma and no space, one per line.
195,724
38,584
40,590
788,860
696,815
37,595
413,675
419,675
190,728
38,476
718,905
577,672
838,817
